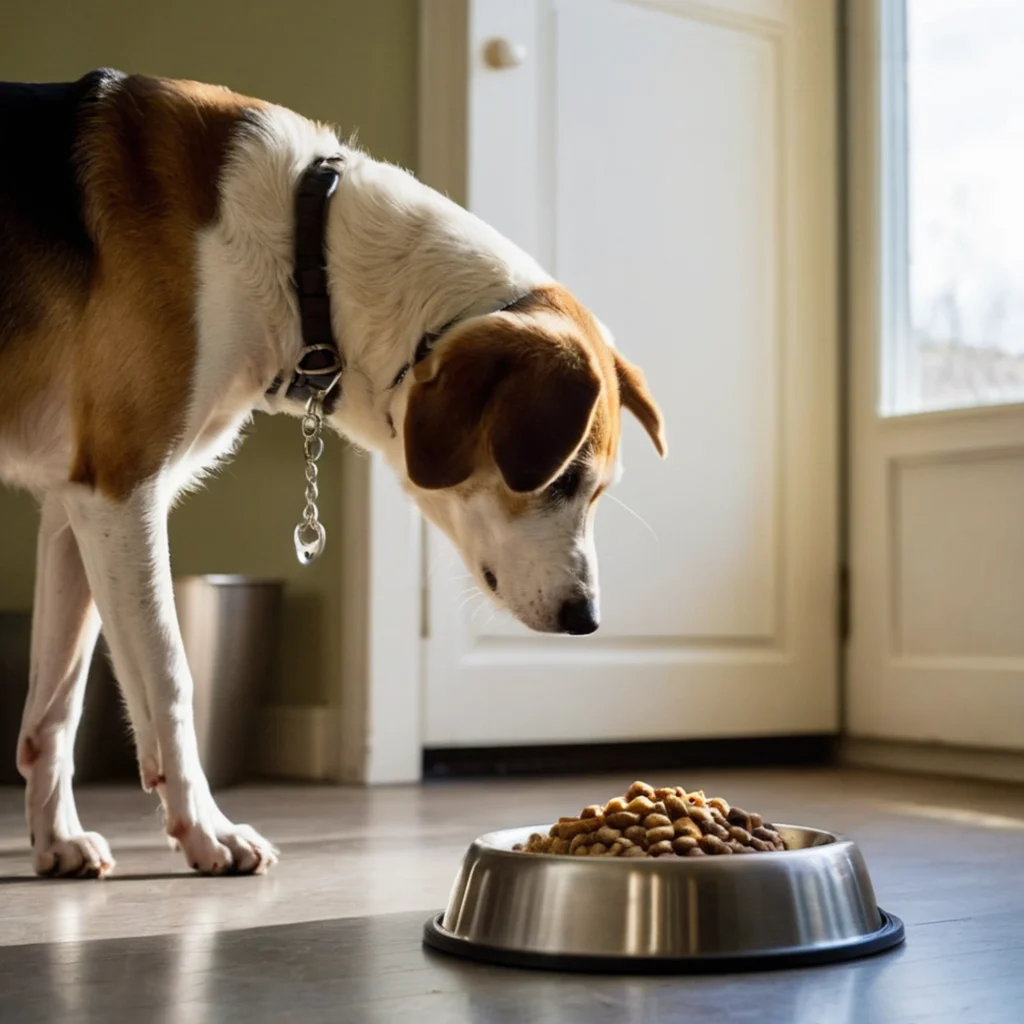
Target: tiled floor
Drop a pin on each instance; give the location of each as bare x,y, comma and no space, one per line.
334,933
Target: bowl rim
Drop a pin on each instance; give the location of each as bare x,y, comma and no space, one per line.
486,843
890,934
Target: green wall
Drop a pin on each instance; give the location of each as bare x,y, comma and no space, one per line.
348,62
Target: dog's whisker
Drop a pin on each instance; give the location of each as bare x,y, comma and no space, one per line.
636,515
479,608
475,610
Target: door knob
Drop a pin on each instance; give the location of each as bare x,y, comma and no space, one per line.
501,54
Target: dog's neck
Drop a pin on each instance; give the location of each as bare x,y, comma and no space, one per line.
403,261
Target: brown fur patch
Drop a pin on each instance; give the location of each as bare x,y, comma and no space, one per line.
625,383
603,438
504,392
151,163
511,390
637,399
114,342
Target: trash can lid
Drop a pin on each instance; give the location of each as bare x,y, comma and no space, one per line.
230,580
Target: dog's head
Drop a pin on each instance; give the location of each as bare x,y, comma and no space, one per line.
511,434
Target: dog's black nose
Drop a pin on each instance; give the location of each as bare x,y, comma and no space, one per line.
578,616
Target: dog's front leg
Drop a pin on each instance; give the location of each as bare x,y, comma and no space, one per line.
125,549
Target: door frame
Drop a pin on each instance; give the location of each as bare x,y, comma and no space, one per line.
377,715
377,719
876,729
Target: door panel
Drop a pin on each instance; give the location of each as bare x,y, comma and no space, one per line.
674,165
652,235
937,499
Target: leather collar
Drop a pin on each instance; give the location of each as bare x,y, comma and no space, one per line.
320,363
426,344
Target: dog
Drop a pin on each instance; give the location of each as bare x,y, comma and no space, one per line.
175,257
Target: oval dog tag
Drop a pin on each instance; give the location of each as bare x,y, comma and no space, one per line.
309,541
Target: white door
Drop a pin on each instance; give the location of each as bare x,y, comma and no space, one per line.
674,164
937,553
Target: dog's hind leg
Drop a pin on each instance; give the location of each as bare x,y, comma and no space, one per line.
65,626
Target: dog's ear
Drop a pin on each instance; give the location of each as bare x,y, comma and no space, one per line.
445,414
636,397
524,398
543,413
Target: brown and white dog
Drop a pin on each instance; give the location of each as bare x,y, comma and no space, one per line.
147,303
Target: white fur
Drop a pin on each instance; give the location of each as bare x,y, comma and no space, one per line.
403,260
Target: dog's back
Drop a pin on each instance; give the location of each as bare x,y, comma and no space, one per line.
41,202
104,186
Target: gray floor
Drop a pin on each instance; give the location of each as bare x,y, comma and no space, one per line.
335,934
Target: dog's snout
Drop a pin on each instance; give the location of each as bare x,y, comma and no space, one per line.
578,616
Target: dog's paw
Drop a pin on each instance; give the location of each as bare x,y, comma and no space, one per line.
227,849
85,855
251,853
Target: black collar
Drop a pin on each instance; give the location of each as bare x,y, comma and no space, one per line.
320,362
426,344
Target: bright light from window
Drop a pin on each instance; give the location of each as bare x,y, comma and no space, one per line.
963,329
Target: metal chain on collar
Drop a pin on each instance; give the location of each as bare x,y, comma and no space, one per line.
310,535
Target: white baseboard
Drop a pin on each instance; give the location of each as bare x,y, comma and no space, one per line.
934,759
296,743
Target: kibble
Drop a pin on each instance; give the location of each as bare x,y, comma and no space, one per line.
657,821
640,789
676,807
661,834
622,819
649,822
578,841
701,815
640,805
712,844
637,833
687,827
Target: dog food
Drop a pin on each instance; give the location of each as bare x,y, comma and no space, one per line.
649,822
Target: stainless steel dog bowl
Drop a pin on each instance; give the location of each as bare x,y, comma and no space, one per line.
812,903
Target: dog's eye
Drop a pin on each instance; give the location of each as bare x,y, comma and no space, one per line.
491,579
567,485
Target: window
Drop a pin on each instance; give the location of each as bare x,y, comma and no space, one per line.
954,179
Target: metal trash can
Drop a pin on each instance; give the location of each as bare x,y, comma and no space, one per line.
230,627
